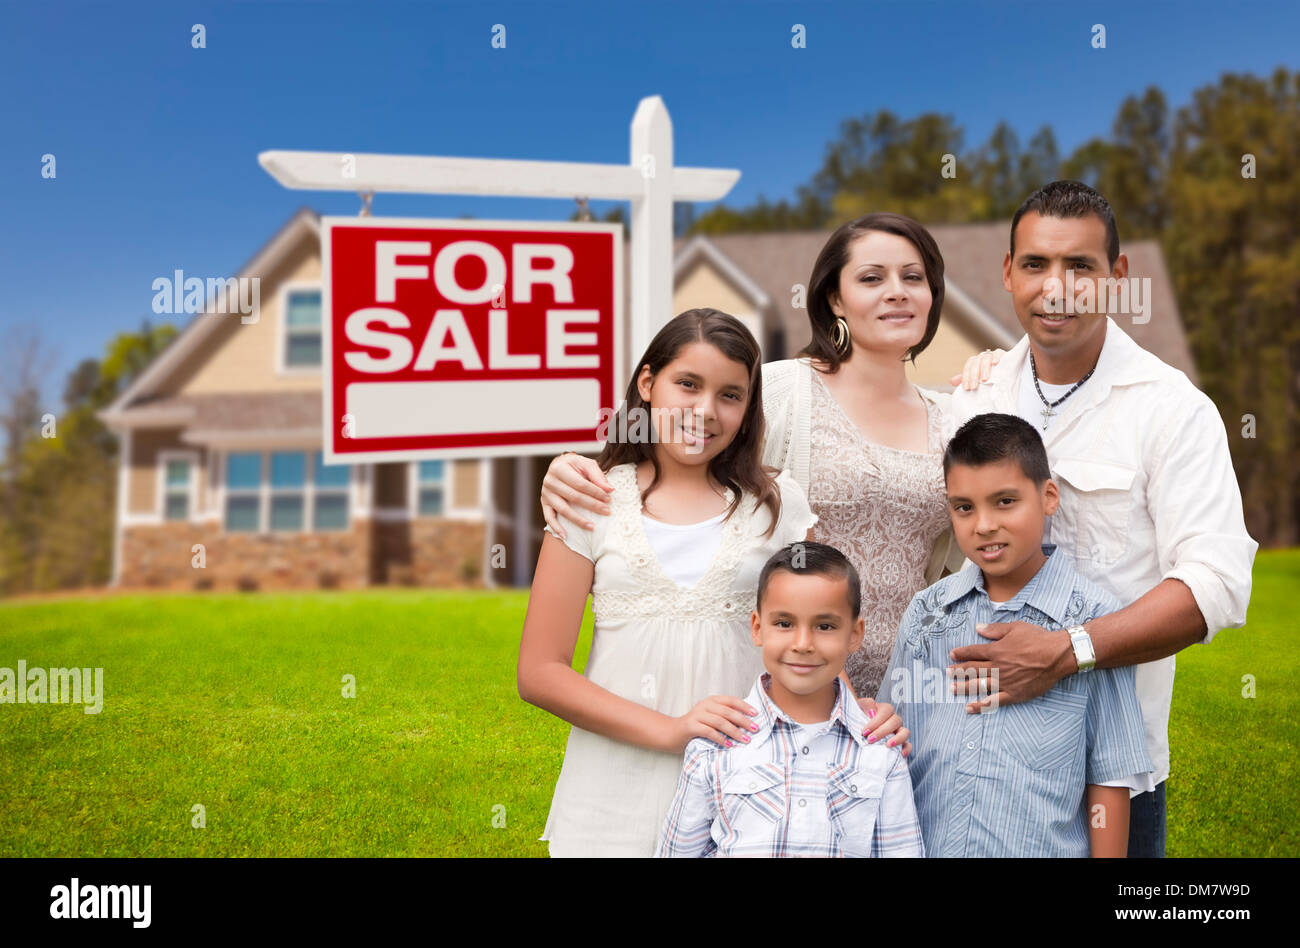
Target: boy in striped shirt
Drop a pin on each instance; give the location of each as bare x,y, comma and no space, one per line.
1047,777
806,783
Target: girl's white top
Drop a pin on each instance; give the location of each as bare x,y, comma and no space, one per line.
664,646
685,550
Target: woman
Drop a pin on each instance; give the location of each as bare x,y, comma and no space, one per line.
864,442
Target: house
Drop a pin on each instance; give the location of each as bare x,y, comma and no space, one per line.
221,482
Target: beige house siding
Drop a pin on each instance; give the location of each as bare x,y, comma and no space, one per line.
704,286
465,483
142,478
242,357
944,357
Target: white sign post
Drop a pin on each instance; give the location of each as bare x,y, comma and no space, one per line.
649,181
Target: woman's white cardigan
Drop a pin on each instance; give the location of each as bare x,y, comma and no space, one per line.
787,397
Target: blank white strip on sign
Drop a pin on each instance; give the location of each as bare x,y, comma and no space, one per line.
407,409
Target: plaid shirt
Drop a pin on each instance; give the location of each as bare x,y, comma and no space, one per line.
752,799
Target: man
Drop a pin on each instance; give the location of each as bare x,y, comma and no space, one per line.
1150,507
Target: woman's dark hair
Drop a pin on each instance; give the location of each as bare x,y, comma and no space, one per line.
826,280
740,466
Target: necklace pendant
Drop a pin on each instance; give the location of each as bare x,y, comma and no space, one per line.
1047,413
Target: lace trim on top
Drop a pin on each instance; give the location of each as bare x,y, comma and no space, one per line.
714,596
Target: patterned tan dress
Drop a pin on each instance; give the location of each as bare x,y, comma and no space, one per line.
884,508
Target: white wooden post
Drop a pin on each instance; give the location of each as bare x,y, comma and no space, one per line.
652,227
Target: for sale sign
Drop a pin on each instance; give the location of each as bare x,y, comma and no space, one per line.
448,339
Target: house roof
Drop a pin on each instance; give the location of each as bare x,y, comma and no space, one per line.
972,254
305,223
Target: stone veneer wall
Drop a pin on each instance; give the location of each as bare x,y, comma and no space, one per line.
423,552
161,556
447,552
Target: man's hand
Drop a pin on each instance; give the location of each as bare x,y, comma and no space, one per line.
1026,658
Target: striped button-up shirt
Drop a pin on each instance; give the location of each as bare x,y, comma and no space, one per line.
1011,781
794,790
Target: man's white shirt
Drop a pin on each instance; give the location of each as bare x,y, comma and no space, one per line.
1148,493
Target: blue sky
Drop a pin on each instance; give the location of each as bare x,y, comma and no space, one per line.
156,142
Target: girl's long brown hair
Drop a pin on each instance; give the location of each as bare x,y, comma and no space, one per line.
740,466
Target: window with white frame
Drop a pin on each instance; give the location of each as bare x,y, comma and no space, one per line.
330,495
285,492
288,491
178,484
431,488
302,329
243,492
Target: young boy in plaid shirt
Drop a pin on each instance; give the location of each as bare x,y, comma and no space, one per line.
806,783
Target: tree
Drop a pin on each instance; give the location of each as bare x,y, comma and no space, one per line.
1233,246
59,491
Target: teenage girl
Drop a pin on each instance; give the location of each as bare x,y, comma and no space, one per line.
672,568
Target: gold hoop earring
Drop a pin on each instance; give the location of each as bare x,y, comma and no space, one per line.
840,336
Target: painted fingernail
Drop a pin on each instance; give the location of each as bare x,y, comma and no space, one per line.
753,727
890,744
871,739
728,743
745,738
871,713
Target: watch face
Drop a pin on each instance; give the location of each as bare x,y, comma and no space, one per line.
1083,653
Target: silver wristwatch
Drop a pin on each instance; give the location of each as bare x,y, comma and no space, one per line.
1083,653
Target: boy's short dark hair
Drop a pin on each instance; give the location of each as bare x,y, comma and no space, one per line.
805,558
1067,199
993,437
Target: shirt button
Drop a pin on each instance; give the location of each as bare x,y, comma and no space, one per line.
970,745
753,785
803,802
805,750
853,788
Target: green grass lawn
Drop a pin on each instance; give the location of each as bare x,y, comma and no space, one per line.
235,703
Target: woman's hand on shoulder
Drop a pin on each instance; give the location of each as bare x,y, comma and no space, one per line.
885,725
572,479
718,719
977,369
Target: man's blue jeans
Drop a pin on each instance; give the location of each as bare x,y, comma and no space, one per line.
1146,824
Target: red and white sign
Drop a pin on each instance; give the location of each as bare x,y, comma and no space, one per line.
446,339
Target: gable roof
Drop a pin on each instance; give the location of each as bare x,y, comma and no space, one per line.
303,225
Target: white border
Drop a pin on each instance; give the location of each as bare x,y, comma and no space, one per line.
327,225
